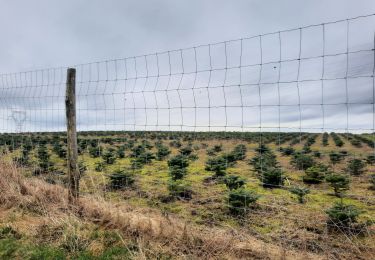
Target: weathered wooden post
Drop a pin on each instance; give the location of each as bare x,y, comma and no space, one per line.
70,105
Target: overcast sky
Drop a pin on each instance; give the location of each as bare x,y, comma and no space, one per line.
48,33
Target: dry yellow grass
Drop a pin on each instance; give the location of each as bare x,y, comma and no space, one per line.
45,204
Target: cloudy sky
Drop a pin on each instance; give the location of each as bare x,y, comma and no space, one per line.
48,34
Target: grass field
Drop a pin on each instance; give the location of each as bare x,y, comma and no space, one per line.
277,217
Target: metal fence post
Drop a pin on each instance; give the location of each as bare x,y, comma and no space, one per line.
70,105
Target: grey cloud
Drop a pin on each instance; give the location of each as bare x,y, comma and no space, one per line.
166,92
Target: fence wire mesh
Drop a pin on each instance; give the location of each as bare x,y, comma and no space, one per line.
271,129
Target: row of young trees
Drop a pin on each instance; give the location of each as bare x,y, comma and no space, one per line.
58,140
239,199
316,173
142,156
340,216
338,141
355,140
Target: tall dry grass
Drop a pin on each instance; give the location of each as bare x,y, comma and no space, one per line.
168,234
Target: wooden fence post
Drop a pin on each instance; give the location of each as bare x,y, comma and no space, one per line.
70,106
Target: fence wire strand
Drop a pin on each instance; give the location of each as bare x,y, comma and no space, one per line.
172,128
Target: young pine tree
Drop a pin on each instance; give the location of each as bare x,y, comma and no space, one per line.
178,167
315,174
218,165
301,192
241,200
356,167
234,182
342,216
121,179
339,183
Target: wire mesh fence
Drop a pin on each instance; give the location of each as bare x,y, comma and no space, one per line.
271,129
